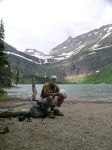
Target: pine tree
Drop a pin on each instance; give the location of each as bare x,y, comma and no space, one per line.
5,71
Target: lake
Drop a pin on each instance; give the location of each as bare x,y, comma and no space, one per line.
75,92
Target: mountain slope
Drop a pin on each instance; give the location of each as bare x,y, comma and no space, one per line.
86,53
104,76
101,77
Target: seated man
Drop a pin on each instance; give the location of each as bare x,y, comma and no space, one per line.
52,97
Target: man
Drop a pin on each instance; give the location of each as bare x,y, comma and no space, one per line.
51,96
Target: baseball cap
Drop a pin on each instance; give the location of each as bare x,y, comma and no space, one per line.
53,77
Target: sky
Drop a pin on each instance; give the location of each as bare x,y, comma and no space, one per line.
44,24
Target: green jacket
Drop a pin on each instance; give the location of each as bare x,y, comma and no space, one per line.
49,90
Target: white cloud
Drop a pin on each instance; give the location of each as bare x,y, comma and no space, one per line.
43,24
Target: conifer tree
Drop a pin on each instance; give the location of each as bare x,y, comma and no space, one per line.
5,71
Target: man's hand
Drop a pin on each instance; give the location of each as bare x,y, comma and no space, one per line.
59,94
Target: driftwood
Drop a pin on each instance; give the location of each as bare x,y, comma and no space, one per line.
4,113
34,90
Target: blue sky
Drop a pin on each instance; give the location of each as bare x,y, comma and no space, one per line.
43,24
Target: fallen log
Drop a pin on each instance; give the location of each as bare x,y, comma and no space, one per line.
4,113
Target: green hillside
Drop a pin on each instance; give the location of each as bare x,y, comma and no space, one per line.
104,76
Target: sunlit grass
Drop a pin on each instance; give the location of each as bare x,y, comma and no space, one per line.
4,97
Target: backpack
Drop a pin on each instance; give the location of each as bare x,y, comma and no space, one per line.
39,110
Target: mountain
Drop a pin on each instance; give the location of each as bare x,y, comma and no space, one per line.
84,54
27,65
95,39
79,56
12,50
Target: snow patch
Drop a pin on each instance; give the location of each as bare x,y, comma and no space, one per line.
66,55
79,42
30,50
96,33
91,53
109,29
89,35
101,47
105,29
64,47
77,50
63,54
22,57
42,56
105,36
47,57
45,61
95,46
61,58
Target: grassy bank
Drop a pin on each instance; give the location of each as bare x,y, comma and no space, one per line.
4,97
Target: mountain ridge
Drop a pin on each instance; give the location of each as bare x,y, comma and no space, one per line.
73,43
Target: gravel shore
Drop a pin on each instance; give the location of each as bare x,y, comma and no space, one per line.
84,126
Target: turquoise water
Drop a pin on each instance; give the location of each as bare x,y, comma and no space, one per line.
97,92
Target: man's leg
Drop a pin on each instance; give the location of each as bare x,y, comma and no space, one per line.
60,100
49,104
57,108
49,101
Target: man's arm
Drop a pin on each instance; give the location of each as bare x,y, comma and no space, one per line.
47,91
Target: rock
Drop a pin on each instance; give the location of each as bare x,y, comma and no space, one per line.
4,129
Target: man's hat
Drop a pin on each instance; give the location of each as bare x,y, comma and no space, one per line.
53,77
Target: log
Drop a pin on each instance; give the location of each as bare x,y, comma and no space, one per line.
33,89
4,113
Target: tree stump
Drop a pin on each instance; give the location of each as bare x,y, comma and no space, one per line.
33,89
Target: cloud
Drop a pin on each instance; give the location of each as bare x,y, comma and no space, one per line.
45,24
1,0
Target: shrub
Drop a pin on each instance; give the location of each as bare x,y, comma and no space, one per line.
2,92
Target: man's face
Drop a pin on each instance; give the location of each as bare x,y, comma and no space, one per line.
53,81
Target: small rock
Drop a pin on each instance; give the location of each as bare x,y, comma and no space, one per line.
4,130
